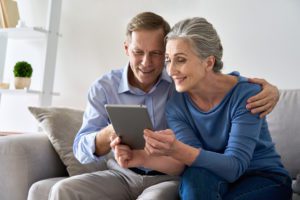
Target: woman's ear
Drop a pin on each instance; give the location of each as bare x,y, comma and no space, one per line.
210,62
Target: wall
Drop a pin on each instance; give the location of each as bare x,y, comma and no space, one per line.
260,39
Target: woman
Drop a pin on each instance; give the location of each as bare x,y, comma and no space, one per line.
229,151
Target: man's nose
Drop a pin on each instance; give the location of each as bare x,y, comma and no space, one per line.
146,60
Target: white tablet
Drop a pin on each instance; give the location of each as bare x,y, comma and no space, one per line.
129,122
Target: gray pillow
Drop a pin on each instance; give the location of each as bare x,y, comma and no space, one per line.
285,129
61,126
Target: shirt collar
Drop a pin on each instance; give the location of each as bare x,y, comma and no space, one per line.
125,86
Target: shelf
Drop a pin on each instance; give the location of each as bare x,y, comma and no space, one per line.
24,33
24,91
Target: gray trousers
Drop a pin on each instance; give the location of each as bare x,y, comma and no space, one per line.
116,183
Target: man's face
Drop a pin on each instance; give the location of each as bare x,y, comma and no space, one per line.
146,51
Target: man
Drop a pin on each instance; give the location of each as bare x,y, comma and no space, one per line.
142,81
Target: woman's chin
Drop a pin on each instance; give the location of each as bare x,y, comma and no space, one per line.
180,89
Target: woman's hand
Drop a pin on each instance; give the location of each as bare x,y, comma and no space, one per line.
159,143
265,101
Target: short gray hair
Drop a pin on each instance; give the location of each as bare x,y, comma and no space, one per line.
203,37
147,21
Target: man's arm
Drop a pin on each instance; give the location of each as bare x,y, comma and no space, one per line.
265,101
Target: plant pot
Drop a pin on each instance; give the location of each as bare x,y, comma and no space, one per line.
22,82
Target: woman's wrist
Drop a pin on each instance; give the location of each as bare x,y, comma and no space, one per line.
184,153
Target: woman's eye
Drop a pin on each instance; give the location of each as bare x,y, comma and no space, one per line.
181,60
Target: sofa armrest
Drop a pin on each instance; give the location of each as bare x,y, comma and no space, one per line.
25,159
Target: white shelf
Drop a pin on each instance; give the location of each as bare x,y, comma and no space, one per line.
24,33
24,92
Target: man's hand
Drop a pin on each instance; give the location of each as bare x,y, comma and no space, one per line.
125,156
102,141
265,101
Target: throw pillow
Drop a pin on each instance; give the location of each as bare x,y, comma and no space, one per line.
61,126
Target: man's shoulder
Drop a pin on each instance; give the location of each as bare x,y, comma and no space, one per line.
112,77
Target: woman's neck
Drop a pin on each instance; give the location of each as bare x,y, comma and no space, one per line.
211,91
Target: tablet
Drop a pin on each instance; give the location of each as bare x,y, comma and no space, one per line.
129,122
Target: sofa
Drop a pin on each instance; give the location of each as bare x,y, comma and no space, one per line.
31,163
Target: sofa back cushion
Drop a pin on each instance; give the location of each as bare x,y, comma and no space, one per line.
284,125
61,126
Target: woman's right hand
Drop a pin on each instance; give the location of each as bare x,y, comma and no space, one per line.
161,143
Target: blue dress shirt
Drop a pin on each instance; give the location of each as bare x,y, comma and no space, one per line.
114,88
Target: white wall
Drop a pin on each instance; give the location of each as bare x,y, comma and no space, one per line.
260,39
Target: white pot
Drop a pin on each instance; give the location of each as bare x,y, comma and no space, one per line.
22,82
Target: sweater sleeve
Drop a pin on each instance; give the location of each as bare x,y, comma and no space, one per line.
238,153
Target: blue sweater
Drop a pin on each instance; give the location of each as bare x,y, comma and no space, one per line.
232,140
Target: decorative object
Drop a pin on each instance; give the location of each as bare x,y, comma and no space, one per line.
4,85
22,73
9,14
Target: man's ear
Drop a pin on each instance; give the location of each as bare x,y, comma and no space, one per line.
210,62
126,47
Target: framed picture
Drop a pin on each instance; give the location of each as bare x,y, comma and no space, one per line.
9,14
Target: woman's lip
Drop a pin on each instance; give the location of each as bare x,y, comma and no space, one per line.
179,79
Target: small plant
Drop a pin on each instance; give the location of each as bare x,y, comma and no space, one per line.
22,69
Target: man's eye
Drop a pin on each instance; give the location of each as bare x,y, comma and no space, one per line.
138,52
157,53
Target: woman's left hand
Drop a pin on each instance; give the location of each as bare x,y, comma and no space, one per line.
159,143
265,101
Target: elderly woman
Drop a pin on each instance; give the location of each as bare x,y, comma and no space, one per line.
220,148
229,151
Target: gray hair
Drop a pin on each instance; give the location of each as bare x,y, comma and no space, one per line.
203,38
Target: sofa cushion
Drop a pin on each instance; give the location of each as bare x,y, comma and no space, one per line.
284,126
61,126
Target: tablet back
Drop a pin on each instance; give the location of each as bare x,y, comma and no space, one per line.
129,122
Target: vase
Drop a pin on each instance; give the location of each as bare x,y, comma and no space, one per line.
22,82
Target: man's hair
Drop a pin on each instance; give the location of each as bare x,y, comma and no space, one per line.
147,21
202,36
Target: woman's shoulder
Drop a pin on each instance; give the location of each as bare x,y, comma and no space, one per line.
176,101
243,86
242,91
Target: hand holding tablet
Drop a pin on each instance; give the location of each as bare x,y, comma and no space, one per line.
129,122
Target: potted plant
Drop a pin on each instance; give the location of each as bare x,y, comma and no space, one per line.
22,73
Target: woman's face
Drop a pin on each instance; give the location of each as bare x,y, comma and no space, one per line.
184,66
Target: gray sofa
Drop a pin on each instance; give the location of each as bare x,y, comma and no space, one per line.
28,162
